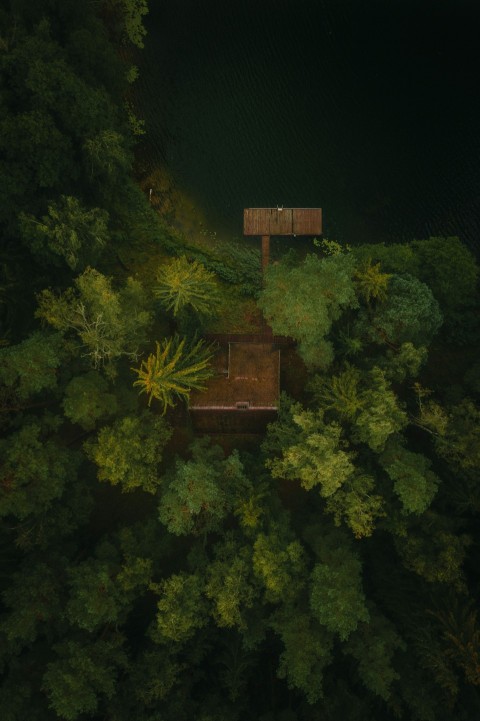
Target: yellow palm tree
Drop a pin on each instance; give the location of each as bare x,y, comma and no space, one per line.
174,370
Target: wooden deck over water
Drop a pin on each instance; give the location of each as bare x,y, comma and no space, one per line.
282,221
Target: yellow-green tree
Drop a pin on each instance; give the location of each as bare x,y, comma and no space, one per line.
174,370
183,285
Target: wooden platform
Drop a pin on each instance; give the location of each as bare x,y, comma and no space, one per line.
282,221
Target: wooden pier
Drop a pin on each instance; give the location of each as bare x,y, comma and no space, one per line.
266,222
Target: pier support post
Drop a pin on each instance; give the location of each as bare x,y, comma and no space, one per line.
265,251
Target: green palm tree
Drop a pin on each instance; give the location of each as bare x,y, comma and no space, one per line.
183,285
371,282
174,370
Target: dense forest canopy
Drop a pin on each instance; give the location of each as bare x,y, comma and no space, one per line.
324,571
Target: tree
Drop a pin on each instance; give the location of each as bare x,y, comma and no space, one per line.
336,598
109,323
69,230
307,650
280,564
304,301
183,285
33,471
87,400
181,609
175,369
198,493
128,16
107,157
315,456
413,481
34,599
410,313
371,282
129,452
459,444
381,415
31,366
84,672
230,585
373,645
103,588
357,505
339,393
449,269
434,549
398,364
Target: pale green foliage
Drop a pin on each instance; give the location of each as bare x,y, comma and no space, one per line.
336,598
33,471
229,584
410,313
381,415
307,651
198,493
184,285
109,323
69,230
357,505
129,452
371,282
31,366
280,564
181,609
373,645
174,370
340,393
87,400
81,674
315,458
331,247
413,481
304,301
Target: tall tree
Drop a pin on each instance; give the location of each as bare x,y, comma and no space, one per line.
304,301
128,453
174,370
108,323
183,285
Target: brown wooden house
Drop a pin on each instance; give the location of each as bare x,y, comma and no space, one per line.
244,394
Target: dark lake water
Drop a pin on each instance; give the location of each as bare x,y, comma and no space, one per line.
367,108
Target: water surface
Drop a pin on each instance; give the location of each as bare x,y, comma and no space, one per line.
369,109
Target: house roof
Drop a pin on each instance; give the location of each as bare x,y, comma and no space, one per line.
247,378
